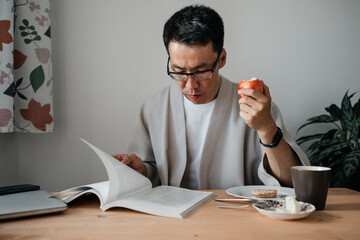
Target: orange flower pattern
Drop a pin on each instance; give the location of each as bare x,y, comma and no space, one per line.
38,115
5,36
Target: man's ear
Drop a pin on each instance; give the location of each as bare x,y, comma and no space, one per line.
222,60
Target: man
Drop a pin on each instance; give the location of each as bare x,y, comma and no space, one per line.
198,133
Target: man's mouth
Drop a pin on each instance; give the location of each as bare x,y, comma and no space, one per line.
193,97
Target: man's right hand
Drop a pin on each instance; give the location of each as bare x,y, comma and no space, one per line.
132,161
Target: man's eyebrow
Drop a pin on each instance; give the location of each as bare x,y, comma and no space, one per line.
196,67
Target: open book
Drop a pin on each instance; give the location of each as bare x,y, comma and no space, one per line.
129,189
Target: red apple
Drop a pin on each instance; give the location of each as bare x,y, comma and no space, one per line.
254,83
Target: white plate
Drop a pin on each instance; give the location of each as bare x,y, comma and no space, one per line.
268,208
245,191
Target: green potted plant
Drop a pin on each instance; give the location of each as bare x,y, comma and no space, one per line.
339,147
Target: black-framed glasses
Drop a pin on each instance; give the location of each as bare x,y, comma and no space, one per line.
201,75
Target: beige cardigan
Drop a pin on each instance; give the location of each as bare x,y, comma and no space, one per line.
160,141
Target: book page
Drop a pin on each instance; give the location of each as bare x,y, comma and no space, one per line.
100,189
164,201
123,180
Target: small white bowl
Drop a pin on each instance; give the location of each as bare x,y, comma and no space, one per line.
268,208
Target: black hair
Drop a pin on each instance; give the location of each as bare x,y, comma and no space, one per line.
195,24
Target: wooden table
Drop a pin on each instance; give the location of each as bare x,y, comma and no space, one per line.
84,220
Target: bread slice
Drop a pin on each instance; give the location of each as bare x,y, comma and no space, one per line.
264,193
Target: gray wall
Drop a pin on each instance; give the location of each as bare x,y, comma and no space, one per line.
108,58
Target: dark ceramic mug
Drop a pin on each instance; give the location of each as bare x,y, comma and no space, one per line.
311,184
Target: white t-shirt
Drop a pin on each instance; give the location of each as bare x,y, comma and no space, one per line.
197,120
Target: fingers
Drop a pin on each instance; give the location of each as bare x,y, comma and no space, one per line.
125,158
254,100
119,156
249,92
133,161
255,107
252,105
267,91
255,94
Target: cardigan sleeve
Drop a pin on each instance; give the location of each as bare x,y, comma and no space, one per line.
142,147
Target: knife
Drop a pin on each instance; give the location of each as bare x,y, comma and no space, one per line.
242,206
236,200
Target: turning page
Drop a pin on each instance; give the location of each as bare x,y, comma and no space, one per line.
123,180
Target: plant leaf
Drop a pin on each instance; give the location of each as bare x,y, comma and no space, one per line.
352,95
334,111
37,78
314,160
314,147
347,114
338,161
338,178
332,150
355,130
330,134
309,137
352,163
319,145
356,108
333,159
318,119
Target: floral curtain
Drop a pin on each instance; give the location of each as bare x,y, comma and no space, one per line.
25,66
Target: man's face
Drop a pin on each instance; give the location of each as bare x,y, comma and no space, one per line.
194,58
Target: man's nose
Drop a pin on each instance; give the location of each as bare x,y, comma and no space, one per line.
191,83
